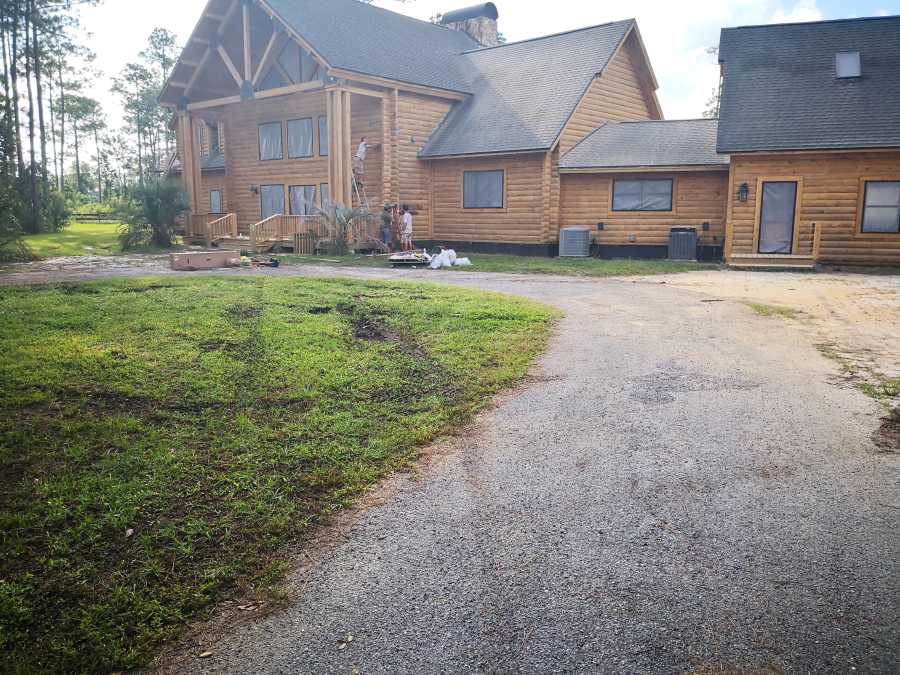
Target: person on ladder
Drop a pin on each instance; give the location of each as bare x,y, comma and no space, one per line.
359,159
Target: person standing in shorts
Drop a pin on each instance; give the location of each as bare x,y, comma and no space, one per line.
406,230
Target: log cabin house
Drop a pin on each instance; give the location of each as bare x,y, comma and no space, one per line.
497,146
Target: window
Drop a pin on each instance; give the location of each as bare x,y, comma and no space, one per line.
215,201
323,194
309,67
270,141
214,147
881,206
642,195
271,199
847,64
302,200
483,189
323,136
300,138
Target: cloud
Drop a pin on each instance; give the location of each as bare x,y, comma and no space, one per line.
805,10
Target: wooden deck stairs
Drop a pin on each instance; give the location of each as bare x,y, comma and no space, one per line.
781,261
303,235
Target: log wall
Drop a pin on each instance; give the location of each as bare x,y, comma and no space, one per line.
417,117
366,121
243,166
213,180
831,196
697,197
520,221
621,93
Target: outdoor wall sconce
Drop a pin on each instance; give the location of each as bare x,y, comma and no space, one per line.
705,227
254,189
600,227
743,193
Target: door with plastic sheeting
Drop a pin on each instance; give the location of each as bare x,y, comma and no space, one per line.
776,217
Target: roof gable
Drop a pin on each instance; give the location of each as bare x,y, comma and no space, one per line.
358,37
525,92
780,91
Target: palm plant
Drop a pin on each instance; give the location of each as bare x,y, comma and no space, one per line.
340,220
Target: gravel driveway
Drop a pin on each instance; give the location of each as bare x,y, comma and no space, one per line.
678,488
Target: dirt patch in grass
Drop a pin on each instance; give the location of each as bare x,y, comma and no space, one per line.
164,449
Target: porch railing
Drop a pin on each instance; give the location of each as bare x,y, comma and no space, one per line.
222,228
307,233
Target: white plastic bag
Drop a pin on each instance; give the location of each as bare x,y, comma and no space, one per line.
463,262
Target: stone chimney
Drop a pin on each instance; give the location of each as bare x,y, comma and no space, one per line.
479,22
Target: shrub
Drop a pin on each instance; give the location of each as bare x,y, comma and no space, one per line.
12,248
150,213
56,212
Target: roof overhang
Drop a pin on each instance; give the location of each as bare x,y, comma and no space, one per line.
673,168
477,155
814,151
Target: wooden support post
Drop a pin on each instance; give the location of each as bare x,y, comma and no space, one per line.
395,147
229,64
346,128
248,66
387,153
190,167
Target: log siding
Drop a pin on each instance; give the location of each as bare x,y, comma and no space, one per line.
832,196
246,172
698,197
521,220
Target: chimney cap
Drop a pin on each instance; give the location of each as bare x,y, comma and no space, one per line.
486,9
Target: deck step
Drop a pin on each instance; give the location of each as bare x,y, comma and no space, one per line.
779,262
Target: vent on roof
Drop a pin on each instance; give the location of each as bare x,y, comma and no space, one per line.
847,64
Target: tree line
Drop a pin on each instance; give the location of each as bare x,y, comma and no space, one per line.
58,149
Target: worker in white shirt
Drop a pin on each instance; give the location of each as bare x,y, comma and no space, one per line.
359,160
407,229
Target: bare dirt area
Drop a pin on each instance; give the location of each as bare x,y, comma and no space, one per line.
853,318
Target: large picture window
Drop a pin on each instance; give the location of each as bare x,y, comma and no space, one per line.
270,141
271,199
300,138
323,136
642,195
483,189
302,200
881,208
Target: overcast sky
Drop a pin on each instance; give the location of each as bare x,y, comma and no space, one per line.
676,32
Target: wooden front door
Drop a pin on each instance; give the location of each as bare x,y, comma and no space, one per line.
777,217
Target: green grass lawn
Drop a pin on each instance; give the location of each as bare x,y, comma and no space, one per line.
586,267
77,239
162,440
81,239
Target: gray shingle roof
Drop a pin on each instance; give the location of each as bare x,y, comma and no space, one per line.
354,36
213,162
780,90
525,92
647,144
